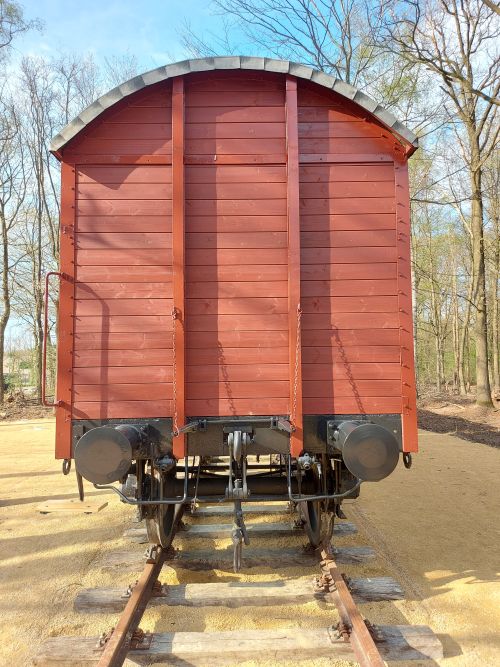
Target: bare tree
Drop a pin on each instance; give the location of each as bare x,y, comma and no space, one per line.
457,41
13,23
333,37
12,194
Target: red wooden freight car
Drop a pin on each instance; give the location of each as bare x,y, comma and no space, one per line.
235,282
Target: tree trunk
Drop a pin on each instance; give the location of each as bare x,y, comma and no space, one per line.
483,390
4,319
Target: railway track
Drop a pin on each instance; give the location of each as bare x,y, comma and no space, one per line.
348,637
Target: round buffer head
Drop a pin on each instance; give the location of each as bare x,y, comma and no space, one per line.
103,455
370,452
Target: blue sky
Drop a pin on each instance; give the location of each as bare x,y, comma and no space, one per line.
149,29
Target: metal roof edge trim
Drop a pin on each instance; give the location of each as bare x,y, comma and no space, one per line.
229,63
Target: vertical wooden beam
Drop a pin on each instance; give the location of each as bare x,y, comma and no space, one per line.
295,352
408,389
178,260
65,320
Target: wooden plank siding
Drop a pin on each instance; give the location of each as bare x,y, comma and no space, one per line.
123,292
236,233
218,193
349,256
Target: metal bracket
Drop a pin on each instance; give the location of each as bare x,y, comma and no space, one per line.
129,590
281,424
104,637
140,640
152,553
197,425
375,632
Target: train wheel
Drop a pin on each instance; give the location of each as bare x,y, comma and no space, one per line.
162,520
317,523
310,513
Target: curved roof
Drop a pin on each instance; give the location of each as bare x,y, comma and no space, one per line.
227,63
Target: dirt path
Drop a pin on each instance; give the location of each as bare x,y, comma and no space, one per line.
434,527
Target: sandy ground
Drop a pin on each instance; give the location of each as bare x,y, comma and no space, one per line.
435,529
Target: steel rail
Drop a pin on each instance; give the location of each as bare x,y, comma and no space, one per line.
118,644
352,624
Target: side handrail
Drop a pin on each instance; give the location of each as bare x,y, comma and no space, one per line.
45,337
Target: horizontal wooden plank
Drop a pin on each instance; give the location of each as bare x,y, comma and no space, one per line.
124,257
154,114
124,173
123,324
348,255
237,306
340,189
238,594
339,145
122,409
220,531
357,271
234,158
348,239
228,81
209,207
397,642
80,159
350,337
349,304
233,256
268,389
246,356
122,392
130,146
114,191
235,114
348,221
334,173
327,113
142,358
244,98
226,372
235,130
233,240
101,340
213,407
238,323
120,240
235,273
331,321
345,370
111,375
137,130
232,290
107,307
160,224
72,506
244,190
336,129
349,356
234,338
347,288
121,274
139,207
352,405
351,387
235,223
233,174
222,559
125,290
221,146
347,206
